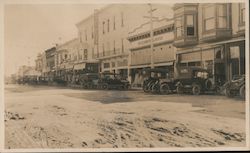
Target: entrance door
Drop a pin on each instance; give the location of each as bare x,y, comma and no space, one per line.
219,73
234,67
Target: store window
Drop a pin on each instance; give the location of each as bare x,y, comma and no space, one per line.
242,13
106,65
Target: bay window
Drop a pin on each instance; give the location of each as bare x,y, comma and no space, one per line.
242,13
222,16
209,17
190,25
179,27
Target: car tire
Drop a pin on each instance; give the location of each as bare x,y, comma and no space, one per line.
196,89
179,89
155,88
147,87
105,87
242,92
209,84
164,89
228,93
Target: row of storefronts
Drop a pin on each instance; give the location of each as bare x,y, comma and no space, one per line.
113,39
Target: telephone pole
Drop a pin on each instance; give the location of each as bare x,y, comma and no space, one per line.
151,34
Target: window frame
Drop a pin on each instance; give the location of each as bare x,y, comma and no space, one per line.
204,20
190,26
218,16
181,27
241,22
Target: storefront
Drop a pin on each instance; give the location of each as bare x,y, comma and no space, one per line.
210,57
235,59
223,60
142,56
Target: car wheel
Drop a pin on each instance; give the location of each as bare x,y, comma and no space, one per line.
179,89
155,88
104,86
146,87
126,87
196,89
164,89
242,92
208,84
228,93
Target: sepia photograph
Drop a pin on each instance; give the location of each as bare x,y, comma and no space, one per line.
124,75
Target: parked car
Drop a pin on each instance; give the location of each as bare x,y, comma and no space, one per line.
89,80
59,81
194,80
158,80
108,80
236,87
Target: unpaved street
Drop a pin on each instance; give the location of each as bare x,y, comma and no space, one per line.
50,117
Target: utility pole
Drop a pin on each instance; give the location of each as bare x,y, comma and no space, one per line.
151,34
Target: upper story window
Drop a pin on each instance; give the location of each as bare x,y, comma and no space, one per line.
92,32
122,19
114,23
86,37
215,16
242,13
103,27
114,46
85,54
222,16
108,25
209,17
80,34
122,46
190,25
179,26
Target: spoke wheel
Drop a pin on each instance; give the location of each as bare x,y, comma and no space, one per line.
196,90
164,89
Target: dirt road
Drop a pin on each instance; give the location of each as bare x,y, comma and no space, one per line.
38,117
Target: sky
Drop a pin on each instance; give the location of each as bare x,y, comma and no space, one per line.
30,29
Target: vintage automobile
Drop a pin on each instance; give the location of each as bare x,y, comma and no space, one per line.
235,87
108,80
158,81
42,80
89,80
194,80
59,81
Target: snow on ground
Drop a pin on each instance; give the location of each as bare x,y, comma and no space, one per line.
38,118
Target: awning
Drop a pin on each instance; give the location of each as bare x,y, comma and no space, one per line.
79,66
164,64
